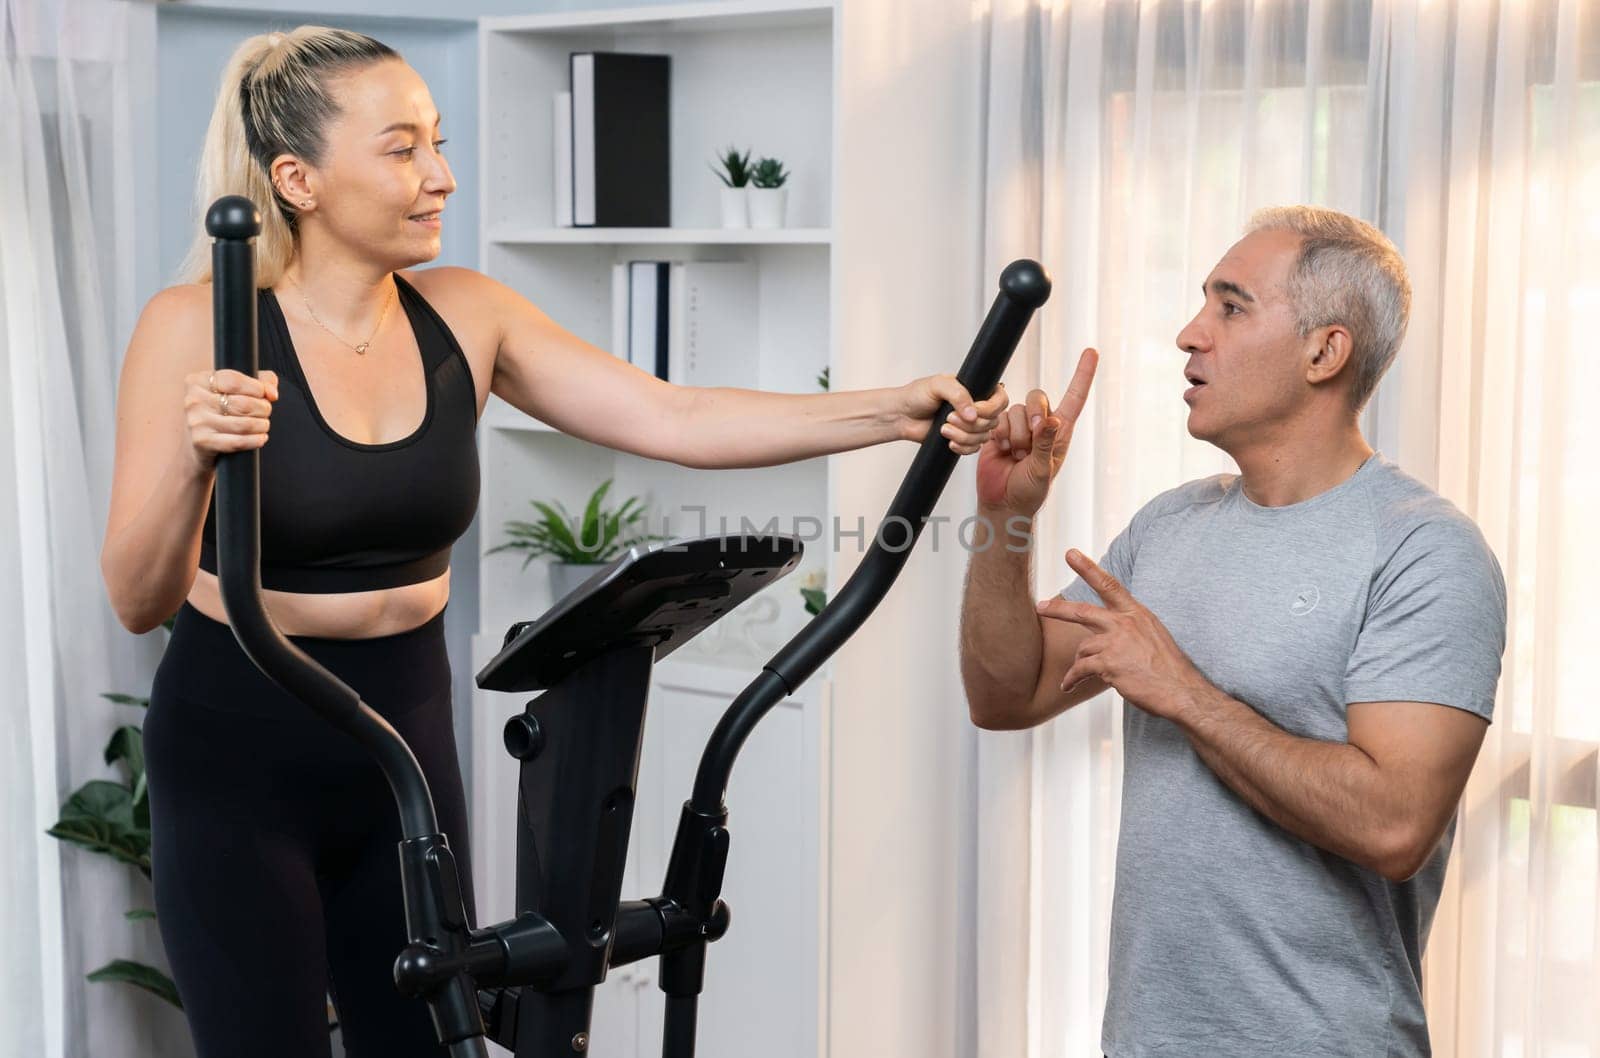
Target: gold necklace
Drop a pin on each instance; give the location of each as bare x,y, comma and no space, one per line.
362,348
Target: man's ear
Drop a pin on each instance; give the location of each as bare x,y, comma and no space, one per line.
1330,353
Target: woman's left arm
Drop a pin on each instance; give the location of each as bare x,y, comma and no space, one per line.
551,374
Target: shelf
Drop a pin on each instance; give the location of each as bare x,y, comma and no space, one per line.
674,18
760,74
663,236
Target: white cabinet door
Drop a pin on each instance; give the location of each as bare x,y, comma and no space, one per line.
761,993
613,1029
761,979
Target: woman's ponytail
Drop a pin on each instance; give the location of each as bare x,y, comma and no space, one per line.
273,100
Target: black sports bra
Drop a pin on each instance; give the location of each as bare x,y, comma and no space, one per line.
341,516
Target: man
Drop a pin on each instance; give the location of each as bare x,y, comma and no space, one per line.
1308,651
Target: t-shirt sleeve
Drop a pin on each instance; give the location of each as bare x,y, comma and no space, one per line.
1117,561
1435,625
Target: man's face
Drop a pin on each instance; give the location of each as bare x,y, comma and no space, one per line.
1246,358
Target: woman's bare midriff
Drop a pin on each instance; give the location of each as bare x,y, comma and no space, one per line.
350,615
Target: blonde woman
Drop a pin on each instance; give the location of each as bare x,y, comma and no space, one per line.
274,840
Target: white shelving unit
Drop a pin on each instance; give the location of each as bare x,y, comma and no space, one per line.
511,236
762,75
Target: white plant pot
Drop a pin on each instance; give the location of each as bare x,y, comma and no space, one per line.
566,576
735,208
767,206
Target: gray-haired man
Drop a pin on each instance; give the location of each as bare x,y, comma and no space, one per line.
1309,651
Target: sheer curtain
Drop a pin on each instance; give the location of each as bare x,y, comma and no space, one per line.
1127,143
65,291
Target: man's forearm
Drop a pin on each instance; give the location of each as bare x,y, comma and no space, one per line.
1001,645
1331,794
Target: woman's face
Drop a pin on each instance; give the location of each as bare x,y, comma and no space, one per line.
382,183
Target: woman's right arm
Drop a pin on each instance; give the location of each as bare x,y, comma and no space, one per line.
169,431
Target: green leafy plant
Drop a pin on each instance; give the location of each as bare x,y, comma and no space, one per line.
822,379
601,535
113,819
735,171
813,589
768,173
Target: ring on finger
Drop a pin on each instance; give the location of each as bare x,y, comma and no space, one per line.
222,404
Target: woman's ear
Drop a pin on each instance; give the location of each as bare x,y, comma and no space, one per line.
292,180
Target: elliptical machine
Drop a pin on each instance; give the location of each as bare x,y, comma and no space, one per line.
529,983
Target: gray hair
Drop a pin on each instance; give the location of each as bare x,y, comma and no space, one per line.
1349,273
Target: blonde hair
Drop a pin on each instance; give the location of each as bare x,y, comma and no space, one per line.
1348,272
274,100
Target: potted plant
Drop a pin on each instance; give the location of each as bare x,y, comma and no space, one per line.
113,819
735,175
813,589
768,195
577,547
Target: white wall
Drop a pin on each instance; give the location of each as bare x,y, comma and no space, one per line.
193,44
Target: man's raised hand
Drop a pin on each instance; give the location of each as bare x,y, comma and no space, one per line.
1028,446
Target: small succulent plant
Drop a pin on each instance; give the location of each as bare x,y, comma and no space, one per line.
735,167
768,173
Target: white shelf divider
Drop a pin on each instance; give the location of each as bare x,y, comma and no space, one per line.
670,18
663,236
755,73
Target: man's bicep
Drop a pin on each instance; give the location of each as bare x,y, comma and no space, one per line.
1429,750
1061,640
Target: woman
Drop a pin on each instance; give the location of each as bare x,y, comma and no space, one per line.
274,839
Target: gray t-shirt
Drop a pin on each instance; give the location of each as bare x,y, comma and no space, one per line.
1229,935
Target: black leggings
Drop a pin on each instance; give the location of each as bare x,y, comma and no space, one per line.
274,842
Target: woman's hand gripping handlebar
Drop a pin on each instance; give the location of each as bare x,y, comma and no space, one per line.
436,918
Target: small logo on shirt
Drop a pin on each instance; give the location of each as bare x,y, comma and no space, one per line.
1305,600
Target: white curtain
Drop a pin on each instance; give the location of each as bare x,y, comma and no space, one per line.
65,291
1127,142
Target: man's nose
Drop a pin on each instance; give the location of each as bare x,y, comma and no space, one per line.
1193,338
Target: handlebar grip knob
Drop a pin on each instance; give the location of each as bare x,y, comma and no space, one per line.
233,217
414,969
1026,282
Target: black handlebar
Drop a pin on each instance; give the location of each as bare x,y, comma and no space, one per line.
700,850
234,222
1024,286
431,895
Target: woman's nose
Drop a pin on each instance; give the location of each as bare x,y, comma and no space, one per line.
441,180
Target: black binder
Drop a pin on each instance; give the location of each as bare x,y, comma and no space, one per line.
621,140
